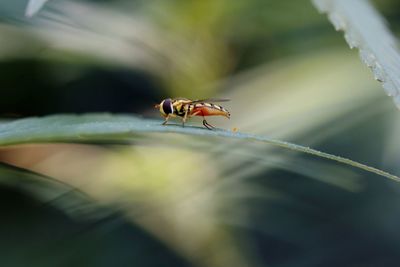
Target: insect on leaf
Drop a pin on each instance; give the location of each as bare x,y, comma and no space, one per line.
91,128
365,29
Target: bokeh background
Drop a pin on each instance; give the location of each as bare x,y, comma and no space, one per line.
174,200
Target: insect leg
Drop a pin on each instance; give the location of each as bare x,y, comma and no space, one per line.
166,120
207,125
185,118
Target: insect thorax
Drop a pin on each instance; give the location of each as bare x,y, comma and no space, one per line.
181,108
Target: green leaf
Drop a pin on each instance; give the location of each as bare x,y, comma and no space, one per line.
46,189
121,128
34,225
34,6
367,30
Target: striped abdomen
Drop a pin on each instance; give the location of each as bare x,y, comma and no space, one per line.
207,109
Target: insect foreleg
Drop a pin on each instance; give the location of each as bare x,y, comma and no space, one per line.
166,120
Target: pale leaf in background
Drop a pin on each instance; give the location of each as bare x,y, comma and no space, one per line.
365,29
34,6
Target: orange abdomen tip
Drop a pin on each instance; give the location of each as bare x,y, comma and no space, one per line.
207,109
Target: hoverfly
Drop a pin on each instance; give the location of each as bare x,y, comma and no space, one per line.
186,108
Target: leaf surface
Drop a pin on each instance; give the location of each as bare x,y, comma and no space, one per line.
34,6
91,128
365,29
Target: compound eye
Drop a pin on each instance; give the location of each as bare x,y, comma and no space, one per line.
167,106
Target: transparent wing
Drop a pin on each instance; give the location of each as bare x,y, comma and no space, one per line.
210,100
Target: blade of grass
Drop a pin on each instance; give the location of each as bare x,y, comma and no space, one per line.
118,128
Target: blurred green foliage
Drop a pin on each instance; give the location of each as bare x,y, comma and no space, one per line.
172,200
47,223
